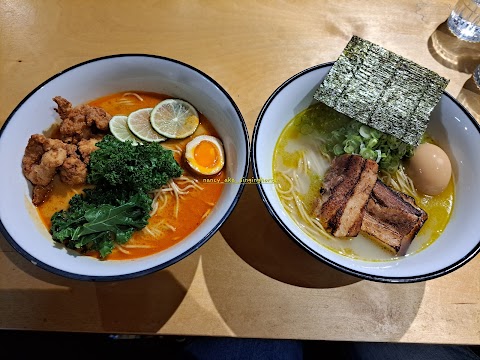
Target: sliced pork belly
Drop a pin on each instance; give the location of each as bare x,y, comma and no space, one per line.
345,193
392,218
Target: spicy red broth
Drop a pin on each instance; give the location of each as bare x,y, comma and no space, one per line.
174,220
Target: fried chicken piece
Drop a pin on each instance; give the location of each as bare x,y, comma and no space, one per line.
80,122
33,152
74,128
40,193
42,158
63,107
97,116
71,149
86,147
73,171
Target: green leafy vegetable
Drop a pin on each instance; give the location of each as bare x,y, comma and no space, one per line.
119,203
341,134
143,168
356,138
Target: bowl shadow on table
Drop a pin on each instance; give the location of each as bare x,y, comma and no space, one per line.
255,236
452,52
289,286
139,305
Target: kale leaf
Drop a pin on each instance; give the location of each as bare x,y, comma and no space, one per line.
119,203
120,164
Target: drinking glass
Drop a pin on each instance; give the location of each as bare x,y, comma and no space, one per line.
464,20
476,76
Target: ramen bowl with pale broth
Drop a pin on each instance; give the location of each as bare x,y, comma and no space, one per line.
293,129
125,228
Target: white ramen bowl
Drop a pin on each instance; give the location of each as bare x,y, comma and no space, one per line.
451,126
19,221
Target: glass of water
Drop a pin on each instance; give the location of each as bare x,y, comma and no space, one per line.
464,21
476,76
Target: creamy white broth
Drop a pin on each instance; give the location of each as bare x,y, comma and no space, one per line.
298,161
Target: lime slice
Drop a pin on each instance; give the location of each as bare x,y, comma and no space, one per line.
174,118
139,124
119,129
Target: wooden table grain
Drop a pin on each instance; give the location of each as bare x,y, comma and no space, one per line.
250,279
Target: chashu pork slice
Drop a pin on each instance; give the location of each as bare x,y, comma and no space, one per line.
393,218
345,192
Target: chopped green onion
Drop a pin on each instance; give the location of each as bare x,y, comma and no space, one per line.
356,138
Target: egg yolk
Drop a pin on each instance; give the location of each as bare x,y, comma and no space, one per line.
206,154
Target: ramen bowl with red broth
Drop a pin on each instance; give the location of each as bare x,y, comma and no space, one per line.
124,173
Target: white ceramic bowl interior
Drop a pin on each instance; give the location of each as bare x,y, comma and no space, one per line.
457,133
19,221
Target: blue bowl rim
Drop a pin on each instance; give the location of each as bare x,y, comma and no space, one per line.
174,260
383,279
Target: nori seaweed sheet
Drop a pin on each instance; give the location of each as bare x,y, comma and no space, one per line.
382,89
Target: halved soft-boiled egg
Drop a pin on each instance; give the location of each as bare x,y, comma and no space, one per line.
205,155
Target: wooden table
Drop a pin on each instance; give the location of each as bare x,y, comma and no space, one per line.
250,279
